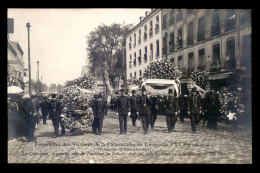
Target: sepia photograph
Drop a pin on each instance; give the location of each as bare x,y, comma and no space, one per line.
129,86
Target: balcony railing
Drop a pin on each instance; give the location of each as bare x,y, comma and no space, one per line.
215,67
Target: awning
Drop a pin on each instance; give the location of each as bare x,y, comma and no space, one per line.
220,76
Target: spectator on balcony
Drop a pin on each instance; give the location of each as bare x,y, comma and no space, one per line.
227,60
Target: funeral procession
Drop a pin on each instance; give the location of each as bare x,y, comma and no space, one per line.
129,86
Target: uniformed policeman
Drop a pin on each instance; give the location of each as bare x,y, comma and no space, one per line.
123,110
100,109
134,101
194,109
145,104
45,108
55,112
171,110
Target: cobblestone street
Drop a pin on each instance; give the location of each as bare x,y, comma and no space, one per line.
157,146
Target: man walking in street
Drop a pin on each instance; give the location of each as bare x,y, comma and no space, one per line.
194,109
55,112
145,104
171,109
123,108
100,109
134,101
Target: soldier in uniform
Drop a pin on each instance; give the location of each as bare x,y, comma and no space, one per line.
171,110
45,107
100,109
145,104
194,109
154,109
123,110
134,101
55,112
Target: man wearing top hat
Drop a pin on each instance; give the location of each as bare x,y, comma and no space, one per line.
100,109
145,104
55,112
171,110
194,109
134,101
123,108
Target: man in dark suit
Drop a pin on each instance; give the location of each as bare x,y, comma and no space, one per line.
123,108
45,108
194,109
145,104
213,106
134,101
100,109
171,110
55,112
154,109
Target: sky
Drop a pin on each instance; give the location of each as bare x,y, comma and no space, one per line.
58,37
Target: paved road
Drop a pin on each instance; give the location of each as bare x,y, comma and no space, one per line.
158,146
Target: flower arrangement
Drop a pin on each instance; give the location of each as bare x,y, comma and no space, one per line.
134,81
201,78
85,83
162,70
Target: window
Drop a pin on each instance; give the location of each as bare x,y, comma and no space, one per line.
190,34
145,32
171,19
189,12
201,29
134,40
139,38
130,43
164,24
215,24
134,59
135,74
140,73
145,54
172,60
230,62
130,61
230,20
171,42
157,24
245,17
157,49
216,58
131,75
151,51
180,63
179,15
179,38
201,64
140,57
151,29
190,63
164,49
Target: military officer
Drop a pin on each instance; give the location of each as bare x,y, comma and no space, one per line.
134,101
171,110
123,108
194,109
100,109
45,108
145,104
55,112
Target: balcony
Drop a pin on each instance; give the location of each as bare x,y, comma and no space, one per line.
215,67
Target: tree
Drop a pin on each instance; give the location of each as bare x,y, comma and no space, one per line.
104,45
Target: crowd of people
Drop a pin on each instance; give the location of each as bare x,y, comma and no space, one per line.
142,107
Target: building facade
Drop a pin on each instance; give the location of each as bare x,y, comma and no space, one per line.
143,44
15,75
218,41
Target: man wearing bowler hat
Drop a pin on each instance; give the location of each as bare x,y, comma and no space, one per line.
123,110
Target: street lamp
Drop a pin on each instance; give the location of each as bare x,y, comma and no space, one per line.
29,61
